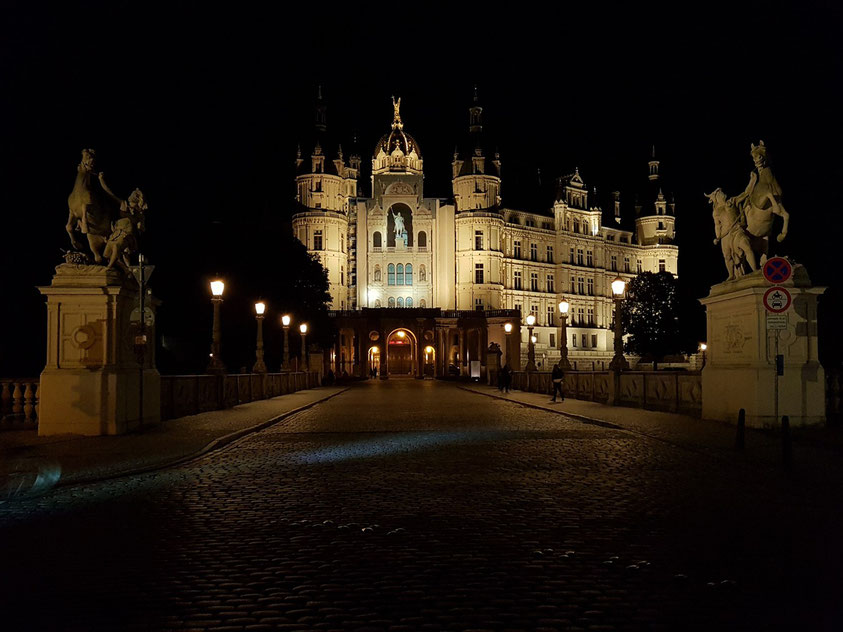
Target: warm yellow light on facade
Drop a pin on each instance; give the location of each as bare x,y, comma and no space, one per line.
564,306
618,286
285,320
428,349
531,320
533,339
703,346
508,328
217,287
303,328
400,334
260,308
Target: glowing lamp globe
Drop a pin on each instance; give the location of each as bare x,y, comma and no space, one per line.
260,308
564,306
508,328
533,339
428,349
618,286
531,320
285,320
303,328
703,346
217,287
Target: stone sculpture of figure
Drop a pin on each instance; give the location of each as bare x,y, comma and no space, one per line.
399,224
760,202
732,237
396,106
123,240
90,206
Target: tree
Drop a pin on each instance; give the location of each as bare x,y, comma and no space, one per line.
650,315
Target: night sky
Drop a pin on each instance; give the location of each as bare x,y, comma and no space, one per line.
202,110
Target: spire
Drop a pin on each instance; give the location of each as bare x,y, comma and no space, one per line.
396,121
653,166
321,119
475,115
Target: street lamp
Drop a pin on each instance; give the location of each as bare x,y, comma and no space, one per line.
216,365
618,362
703,347
507,328
260,366
305,358
285,323
531,345
564,306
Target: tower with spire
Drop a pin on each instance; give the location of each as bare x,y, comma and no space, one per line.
655,221
476,171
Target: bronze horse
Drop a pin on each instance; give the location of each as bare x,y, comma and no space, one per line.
91,208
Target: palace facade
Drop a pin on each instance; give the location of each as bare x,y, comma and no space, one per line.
470,252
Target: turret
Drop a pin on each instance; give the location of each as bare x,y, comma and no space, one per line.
476,180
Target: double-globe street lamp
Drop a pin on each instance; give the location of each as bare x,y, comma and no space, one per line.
215,365
260,365
531,345
564,306
618,362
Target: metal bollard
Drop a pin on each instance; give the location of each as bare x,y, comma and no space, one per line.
741,432
787,445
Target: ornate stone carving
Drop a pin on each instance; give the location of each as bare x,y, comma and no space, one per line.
737,251
400,188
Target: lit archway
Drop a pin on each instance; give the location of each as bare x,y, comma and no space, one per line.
429,360
374,360
401,353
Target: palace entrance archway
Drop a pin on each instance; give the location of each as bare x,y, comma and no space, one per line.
401,350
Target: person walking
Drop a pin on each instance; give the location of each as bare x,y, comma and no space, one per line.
507,377
502,378
557,376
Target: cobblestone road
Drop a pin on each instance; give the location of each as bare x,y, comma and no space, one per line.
407,505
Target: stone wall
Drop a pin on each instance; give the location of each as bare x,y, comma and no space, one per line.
671,391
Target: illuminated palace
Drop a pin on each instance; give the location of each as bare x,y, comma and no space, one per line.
424,285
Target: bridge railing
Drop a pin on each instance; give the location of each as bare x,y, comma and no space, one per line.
18,403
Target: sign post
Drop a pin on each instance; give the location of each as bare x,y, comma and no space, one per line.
777,300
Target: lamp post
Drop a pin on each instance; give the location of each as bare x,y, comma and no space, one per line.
285,323
703,347
507,328
215,365
564,306
260,366
531,345
305,358
618,362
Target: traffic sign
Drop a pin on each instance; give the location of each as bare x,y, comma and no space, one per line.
777,270
149,317
777,300
776,321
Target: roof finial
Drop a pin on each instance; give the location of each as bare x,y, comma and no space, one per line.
319,92
654,151
476,98
396,121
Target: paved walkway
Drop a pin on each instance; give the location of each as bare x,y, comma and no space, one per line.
67,459
816,451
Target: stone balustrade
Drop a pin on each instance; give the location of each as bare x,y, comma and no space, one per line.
18,403
671,391
180,394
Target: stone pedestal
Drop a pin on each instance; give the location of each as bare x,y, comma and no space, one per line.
740,364
91,383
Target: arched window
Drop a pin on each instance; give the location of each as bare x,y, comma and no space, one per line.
399,275
377,240
408,274
391,302
377,273
422,239
400,302
377,302
422,303
409,302
422,273
390,274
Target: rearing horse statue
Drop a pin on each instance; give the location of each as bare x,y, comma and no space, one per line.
90,207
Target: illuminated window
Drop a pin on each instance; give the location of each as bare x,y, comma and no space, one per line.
422,239
408,274
478,240
534,282
400,301
317,240
409,301
534,252
516,249
478,273
517,279
399,275
550,283
377,240
391,302
390,275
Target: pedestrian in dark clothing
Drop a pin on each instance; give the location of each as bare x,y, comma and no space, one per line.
557,376
507,377
501,378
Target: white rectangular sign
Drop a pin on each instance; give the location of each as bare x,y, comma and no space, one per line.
776,321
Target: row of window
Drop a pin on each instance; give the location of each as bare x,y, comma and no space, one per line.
577,317
400,274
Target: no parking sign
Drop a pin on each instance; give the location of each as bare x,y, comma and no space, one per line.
777,270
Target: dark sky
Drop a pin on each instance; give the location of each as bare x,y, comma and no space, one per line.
202,109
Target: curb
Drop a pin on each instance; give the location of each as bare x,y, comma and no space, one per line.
581,418
216,444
